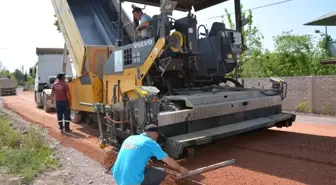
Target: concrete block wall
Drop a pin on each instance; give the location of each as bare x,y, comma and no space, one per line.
316,94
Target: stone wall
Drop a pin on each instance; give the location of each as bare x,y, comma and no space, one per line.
316,94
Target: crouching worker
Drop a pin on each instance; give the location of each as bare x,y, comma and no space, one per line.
136,151
60,92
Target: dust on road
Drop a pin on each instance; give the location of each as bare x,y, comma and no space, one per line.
302,154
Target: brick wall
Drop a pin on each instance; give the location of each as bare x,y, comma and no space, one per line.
316,94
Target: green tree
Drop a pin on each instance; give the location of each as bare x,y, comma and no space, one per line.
253,42
4,72
322,53
294,55
19,76
25,77
297,55
57,24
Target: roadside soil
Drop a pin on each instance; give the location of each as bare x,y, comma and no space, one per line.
301,154
75,169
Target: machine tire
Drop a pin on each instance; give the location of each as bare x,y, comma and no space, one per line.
88,119
38,106
14,93
76,116
45,105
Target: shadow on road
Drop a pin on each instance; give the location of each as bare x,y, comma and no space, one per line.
89,129
74,134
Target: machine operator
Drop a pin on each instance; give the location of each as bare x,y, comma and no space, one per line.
60,93
135,153
143,28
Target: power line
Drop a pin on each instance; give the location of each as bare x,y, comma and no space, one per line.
258,7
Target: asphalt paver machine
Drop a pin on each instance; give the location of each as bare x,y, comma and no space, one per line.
176,79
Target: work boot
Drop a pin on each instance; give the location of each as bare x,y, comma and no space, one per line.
60,126
67,128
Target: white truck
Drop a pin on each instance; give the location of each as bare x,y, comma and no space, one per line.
49,64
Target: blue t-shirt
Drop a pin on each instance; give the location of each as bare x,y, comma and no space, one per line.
133,157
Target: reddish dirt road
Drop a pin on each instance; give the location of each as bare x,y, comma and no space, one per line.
302,154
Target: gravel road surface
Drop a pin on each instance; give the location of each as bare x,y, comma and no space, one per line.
302,154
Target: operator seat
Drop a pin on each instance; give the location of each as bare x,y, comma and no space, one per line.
215,28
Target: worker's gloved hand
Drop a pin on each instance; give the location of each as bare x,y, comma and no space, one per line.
184,170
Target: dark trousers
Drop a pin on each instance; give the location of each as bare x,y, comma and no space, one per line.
154,176
63,109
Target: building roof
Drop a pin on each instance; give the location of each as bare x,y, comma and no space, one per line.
49,51
325,20
183,5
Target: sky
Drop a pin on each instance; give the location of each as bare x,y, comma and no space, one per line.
26,25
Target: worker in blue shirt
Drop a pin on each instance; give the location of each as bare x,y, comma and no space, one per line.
134,155
144,23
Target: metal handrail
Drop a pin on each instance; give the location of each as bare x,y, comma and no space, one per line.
132,23
134,37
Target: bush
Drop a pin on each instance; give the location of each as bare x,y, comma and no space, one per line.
24,154
29,84
304,106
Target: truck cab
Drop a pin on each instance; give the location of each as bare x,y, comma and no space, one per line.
50,63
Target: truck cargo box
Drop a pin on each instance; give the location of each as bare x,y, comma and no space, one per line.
90,29
7,86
